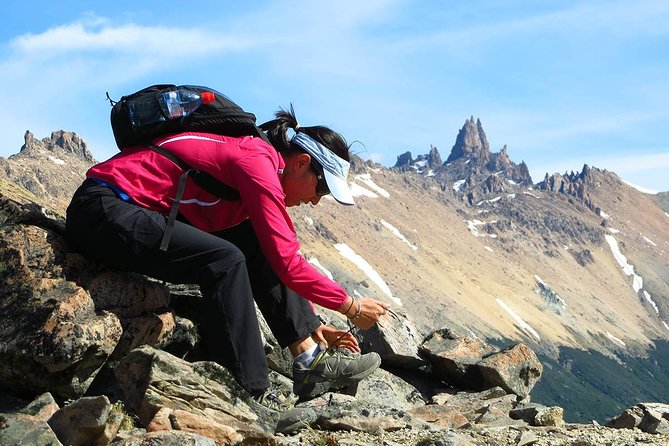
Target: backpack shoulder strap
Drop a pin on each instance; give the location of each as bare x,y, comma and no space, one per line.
203,179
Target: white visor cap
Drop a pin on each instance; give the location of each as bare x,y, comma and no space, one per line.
335,169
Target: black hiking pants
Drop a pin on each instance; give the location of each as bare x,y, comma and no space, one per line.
229,267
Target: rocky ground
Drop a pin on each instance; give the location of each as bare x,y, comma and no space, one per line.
568,435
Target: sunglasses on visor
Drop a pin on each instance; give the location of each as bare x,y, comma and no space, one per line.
321,186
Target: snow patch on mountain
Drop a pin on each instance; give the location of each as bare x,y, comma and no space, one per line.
615,339
524,325
492,200
367,180
361,263
58,161
649,240
642,189
398,234
358,191
472,225
628,269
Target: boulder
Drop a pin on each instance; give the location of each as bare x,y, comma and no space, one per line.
165,438
384,388
453,359
20,429
516,369
539,415
648,417
82,422
152,380
344,412
51,336
63,315
395,338
24,422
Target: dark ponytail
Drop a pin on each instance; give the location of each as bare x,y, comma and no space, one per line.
277,129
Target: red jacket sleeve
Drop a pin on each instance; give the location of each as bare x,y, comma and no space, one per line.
256,178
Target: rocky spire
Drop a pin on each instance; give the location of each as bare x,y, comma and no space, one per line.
434,158
471,141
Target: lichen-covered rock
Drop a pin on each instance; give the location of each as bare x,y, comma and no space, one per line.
152,380
165,438
516,369
343,412
51,336
82,422
20,429
453,359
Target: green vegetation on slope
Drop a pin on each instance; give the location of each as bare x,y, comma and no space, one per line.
591,386
663,200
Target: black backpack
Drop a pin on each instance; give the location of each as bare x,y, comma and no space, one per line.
220,116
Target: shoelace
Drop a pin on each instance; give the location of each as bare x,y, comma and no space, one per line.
271,401
330,351
331,346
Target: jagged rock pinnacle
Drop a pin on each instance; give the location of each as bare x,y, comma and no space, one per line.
471,141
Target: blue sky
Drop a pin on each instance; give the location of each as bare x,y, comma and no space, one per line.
561,83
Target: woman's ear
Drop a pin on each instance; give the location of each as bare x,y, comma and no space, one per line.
302,161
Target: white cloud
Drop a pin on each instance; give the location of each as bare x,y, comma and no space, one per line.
99,35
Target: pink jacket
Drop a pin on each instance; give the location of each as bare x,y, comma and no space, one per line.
249,165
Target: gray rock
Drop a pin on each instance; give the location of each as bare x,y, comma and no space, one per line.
26,430
53,339
516,370
384,388
42,407
653,422
343,412
629,419
396,339
82,422
152,379
453,359
538,415
527,438
166,438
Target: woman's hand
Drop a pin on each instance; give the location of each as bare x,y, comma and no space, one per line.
370,312
364,312
330,335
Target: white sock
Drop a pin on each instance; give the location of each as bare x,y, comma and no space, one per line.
307,357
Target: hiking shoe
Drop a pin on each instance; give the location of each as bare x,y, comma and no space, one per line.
295,419
290,419
331,370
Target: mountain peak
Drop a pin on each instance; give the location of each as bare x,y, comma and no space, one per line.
59,140
423,163
471,141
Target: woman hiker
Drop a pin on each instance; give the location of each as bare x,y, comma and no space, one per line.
235,250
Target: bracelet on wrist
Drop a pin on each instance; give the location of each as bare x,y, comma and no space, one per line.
359,312
349,307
